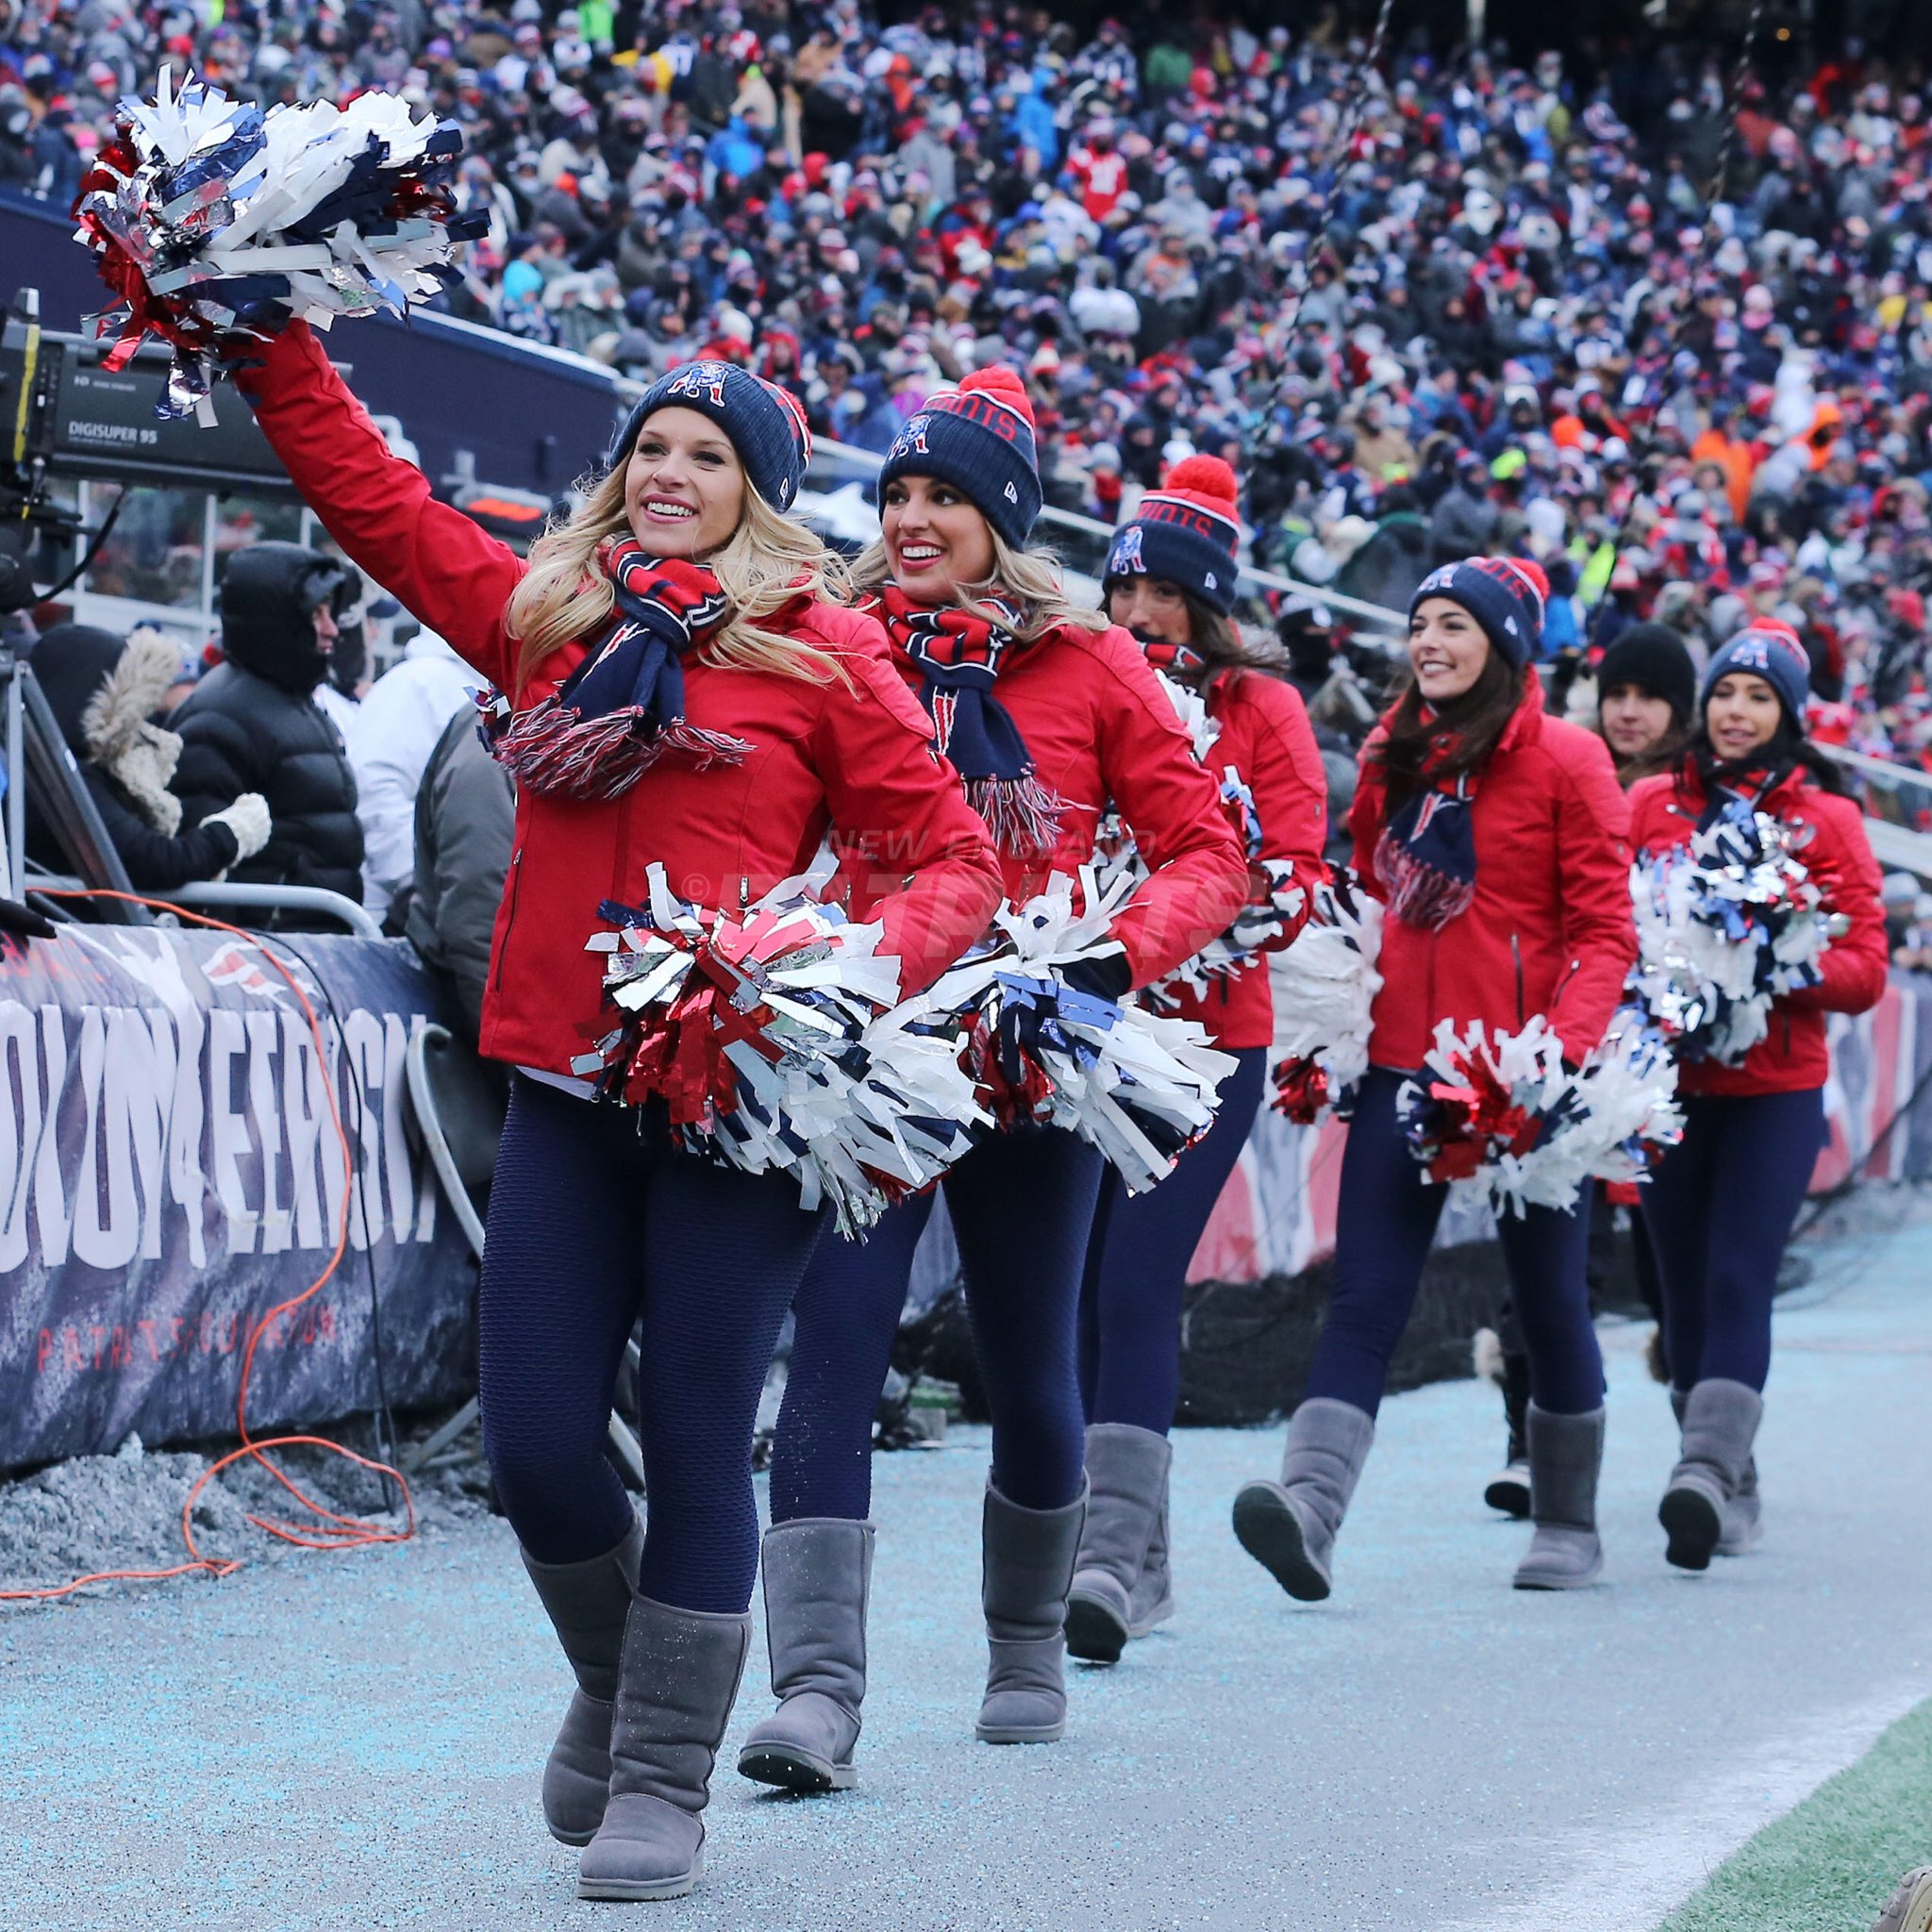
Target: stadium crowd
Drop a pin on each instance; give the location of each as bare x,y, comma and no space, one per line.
1432,309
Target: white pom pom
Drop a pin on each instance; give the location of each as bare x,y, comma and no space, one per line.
214,219
1139,1086
1324,986
775,1038
1499,1116
1725,926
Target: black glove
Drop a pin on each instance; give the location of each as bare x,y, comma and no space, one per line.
24,920
1107,975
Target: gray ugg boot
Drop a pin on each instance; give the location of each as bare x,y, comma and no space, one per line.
1028,1559
1721,1421
1152,1602
674,1692
1289,1528
586,1605
1744,1520
818,1578
1127,1483
1566,1453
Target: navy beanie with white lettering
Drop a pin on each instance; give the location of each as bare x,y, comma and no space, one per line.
766,423
979,438
1504,594
1187,532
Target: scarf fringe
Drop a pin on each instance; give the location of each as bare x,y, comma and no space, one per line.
560,754
1022,814
1420,893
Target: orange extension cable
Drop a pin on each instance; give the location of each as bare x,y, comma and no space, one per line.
329,1531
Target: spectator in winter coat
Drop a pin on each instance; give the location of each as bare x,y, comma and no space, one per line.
400,721
1464,521
465,820
251,723
104,693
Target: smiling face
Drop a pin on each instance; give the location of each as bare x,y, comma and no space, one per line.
1742,714
1153,609
1447,650
684,486
937,541
1633,718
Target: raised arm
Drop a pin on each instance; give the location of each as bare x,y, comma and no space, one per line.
443,569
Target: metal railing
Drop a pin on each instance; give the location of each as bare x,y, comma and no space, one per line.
1083,541
315,899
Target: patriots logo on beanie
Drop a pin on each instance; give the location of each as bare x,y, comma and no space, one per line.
765,423
1188,532
1504,594
979,438
1125,560
1772,651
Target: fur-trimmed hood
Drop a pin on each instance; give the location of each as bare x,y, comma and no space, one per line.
104,691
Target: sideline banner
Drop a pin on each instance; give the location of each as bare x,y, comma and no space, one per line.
169,1172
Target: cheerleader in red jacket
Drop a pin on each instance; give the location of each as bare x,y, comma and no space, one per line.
1497,837
1171,582
1047,712
1752,1133
678,624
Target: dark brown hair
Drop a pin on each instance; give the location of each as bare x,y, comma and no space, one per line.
1478,719
1665,754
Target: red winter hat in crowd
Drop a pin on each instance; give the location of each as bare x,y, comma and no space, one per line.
1187,532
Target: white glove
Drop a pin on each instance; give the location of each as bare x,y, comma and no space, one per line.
248,820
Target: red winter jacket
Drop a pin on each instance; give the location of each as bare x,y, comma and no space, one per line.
1266,737
851,753
1098,726
1791,1056
1550,930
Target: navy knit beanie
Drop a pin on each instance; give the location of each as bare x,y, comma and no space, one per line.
1186,533
1504,595
979,438
1769,650
766,423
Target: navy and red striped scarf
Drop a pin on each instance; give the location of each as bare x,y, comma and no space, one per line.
959,653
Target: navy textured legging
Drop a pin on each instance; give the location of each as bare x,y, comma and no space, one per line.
1022,1205
1720,1207
1137,1265
592,1227
1386,1220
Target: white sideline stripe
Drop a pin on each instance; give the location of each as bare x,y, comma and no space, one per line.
1632,1877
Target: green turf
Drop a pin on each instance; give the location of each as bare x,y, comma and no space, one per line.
1830,1865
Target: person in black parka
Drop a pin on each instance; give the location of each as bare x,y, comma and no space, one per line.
104,693
251,723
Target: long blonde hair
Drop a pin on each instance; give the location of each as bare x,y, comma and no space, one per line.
766,562
1031,578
